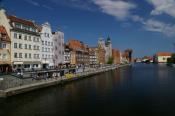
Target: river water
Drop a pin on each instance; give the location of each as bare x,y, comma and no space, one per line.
140,90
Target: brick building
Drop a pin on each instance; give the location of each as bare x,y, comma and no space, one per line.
116,56
80,52
5,53
93,56
101,54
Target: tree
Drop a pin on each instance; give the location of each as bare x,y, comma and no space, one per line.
110,60
171,60
173,56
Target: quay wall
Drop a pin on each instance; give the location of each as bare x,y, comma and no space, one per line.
50,82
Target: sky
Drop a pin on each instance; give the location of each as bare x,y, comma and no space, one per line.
146,26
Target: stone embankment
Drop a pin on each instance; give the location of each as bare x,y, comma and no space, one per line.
10,86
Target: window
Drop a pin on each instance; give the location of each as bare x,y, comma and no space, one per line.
4,56
25,37
37,39
37,47
20,36
34,47
48,49
20,55
15,55
43,56
15,45
30,38
25,46
45,49
55,47
42,49
3,45
15,35
51,43
18,25
30,56
48,43
42,42
45,42
34,39
25,55
30,47
20,46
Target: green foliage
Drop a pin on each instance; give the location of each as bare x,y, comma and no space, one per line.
173,56
110,60
171,60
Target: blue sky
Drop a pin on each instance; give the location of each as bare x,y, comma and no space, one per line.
146,26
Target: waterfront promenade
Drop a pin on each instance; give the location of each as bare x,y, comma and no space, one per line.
12,85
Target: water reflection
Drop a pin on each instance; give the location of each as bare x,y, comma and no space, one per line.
144,89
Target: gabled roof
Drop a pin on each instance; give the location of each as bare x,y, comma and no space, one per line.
3,34
163,54
20,20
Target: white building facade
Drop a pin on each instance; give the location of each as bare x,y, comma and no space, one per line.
108,49
107,46
58,43
5,42
25,44
67,55
47,46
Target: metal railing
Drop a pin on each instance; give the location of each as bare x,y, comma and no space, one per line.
12,80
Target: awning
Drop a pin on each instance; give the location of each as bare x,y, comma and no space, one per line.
17,62
32,62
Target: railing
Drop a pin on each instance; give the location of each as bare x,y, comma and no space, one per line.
12,80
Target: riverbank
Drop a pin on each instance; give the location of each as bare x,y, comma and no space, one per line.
30,84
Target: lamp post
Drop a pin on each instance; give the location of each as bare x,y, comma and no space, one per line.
54,63
45,63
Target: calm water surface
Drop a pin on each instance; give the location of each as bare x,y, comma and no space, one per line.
141,90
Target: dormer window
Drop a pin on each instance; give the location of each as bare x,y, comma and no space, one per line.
17,25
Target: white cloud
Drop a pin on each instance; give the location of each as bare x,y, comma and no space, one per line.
157,26
163,6
78,4
137,18
32,2
117,8
47,7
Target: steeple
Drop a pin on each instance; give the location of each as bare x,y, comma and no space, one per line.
108,39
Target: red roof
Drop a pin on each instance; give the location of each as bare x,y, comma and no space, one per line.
19,20
3,34
163,54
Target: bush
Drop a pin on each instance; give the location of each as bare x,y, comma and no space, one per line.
110,60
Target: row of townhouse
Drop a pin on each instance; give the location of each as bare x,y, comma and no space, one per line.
25,44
